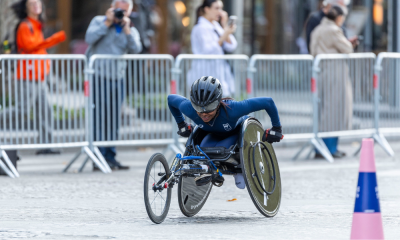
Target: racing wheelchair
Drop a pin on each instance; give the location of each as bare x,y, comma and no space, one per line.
250,156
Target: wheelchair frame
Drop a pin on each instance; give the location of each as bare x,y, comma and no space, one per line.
251,170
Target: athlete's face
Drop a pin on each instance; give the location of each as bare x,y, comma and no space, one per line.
206,117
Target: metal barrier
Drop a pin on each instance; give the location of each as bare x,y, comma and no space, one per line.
387,96
230,69
343,97
43,105
128,101
285,78
122,100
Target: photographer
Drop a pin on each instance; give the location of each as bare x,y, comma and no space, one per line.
110,34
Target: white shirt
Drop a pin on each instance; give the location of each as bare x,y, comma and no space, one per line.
205,40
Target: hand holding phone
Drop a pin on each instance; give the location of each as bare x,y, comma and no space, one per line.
232,20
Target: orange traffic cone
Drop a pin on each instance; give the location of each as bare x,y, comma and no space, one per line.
367,219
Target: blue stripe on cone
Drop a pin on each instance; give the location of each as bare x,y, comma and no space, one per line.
367,199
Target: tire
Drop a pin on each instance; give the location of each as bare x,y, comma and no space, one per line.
154,199
266,166
192,198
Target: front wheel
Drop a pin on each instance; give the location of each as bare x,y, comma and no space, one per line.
157,194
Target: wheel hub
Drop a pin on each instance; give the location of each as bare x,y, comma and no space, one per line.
262,168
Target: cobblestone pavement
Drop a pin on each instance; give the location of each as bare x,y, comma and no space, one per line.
318,201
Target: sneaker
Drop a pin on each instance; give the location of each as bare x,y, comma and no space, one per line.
47,151
115,165
204,179
239,181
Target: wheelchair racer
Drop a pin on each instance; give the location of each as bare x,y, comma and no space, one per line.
221,118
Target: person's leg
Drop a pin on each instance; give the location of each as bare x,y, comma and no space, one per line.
210,140
116,96
46,112
228,142
331,144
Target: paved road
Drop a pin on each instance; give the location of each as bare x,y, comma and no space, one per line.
318,201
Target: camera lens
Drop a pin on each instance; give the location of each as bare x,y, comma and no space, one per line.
119,13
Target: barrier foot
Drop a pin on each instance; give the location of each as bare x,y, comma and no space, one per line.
95,160
9,163
321,147
102,160
381,140
5,168
300,151
84,164
358,151
308,156
72,161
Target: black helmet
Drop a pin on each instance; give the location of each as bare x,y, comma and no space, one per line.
206,94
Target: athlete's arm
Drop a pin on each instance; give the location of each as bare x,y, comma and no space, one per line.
256,104
175,104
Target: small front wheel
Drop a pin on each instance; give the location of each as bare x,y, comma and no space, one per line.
157,194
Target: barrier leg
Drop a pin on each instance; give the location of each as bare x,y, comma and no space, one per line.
9,163
300,151
84,164
72,161
102,160
5,168
309,153
381,140
95,160
321,147
358,150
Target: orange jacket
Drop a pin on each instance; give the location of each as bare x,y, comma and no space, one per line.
30,40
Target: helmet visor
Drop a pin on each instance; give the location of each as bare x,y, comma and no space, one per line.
206,109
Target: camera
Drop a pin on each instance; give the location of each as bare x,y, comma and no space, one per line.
119,13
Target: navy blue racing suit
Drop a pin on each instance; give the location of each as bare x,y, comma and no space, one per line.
224,131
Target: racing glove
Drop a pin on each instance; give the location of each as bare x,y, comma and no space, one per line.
273,135
185,129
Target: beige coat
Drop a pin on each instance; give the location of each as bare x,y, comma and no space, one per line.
334,83
327,37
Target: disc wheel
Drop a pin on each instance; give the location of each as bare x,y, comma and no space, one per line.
157,201
261,173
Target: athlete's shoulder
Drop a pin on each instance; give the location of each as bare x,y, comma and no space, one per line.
176,97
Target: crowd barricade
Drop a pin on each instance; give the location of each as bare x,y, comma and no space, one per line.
63,101
230,69
43,104
128,96
344,97
286,79
387,96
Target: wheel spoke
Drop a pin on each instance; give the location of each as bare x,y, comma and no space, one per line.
161,196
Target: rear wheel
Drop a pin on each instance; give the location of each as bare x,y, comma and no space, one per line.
260,169
157,198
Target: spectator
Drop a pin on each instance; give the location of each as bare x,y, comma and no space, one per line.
335,109
110,34
315,19
32,74
209,37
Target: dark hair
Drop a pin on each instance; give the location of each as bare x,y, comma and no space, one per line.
200,10
20,11
334,13
225,105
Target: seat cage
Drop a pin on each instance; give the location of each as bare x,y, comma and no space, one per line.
217,154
